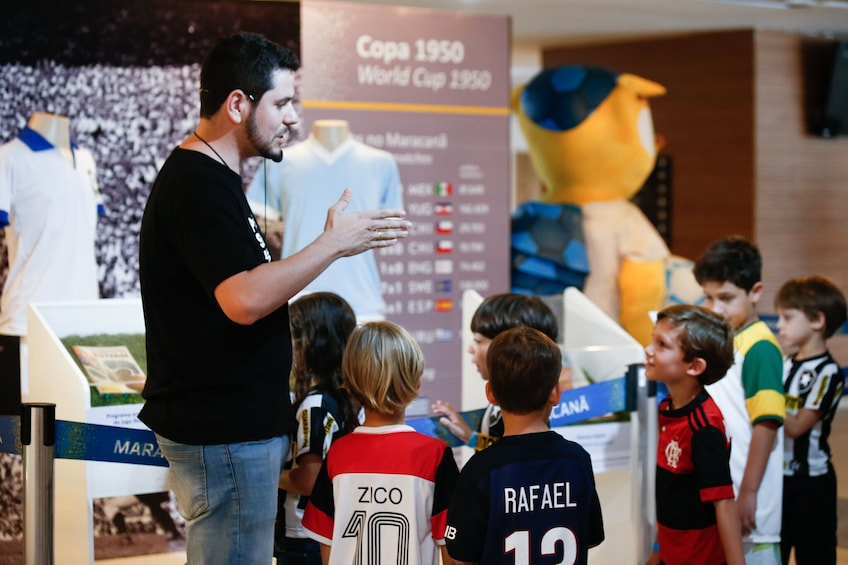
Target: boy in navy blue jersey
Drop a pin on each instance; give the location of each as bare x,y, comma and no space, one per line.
495,314
530,497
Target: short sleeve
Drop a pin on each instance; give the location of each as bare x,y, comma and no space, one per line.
86,163
467,517
316,426
827,386
762,379
318,518
711,461
446,478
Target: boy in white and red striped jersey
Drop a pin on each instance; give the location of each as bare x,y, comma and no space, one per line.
383,491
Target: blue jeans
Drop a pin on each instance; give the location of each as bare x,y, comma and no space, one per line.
228,496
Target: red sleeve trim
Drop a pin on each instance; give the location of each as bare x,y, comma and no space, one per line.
438,524
318,525
716,493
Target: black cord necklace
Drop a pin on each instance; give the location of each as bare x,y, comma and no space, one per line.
211,148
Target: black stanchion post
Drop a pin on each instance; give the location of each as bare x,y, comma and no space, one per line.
644,398
38,441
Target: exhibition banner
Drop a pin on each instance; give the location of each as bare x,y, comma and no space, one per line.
137,446
432,88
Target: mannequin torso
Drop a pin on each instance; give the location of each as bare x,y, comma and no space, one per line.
330,133
55,129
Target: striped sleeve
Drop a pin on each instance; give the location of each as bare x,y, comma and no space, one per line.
446,477
318,518
762,378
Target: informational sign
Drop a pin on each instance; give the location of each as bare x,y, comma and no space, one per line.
432,88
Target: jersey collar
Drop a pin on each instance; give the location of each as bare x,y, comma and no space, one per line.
327,156
36,142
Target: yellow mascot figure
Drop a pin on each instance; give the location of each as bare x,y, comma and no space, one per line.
591,140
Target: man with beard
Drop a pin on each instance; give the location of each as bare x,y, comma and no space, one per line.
215,304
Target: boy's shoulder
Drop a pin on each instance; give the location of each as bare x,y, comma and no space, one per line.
702,412
517,448
316,399
392,437
755,333
399,447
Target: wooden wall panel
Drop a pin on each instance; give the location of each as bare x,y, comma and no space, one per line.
801,179
706,118
744,160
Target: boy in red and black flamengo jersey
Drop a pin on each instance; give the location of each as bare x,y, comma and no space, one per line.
530,497
697,521
383,491
750,396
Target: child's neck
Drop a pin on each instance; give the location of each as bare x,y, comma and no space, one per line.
375,419
813,347
683,393
518,424
753,318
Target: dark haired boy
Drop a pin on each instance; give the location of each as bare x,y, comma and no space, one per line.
532,493
810,309
697,522
495,314
750,395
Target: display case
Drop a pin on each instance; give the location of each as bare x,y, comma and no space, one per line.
55,377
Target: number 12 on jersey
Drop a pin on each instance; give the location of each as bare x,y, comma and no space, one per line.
555,540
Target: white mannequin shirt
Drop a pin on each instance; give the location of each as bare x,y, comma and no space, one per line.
48,206
301,189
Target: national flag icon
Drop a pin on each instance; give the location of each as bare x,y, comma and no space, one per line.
443,285
443,209
443,189
443,266
444,305
444,226
444,246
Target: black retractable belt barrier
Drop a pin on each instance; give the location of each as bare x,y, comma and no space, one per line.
38,442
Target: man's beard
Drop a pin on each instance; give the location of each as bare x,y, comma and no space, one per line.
263,148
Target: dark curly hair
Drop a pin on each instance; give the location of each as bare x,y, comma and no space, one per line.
245,61
500,312
730,259
321,324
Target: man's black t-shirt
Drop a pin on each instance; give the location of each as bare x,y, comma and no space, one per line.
209,379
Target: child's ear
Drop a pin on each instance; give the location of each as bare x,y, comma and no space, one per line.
696,366
818,322
756,292
556,393
489,396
